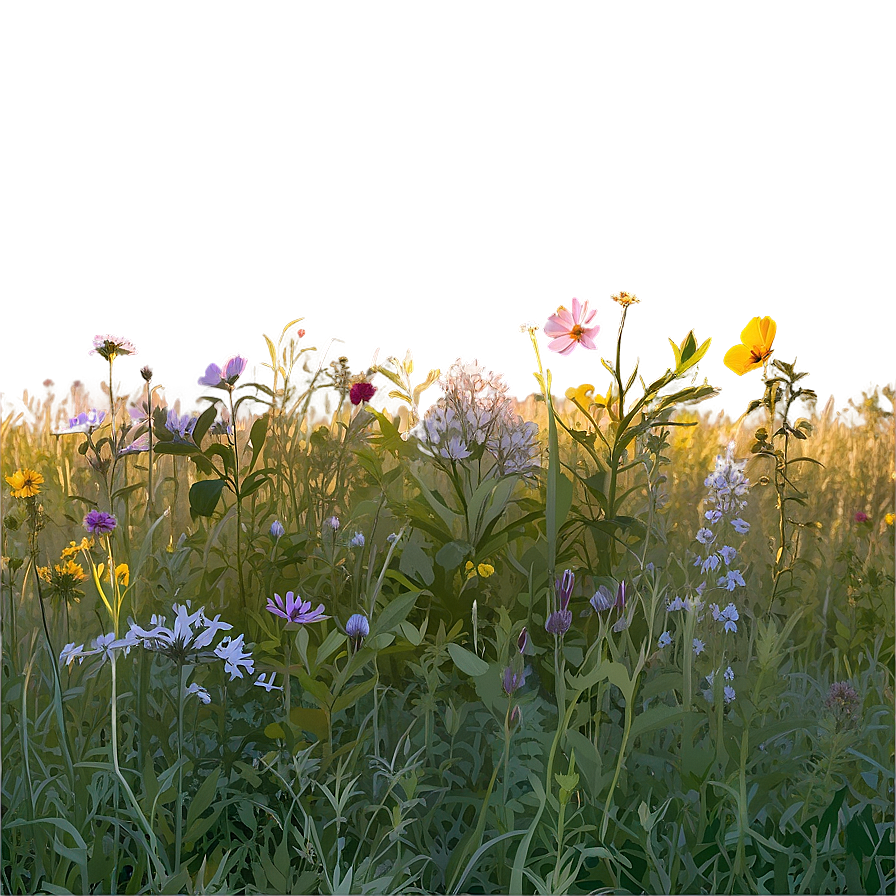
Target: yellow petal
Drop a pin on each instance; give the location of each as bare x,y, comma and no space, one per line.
740,359
752,335
582,395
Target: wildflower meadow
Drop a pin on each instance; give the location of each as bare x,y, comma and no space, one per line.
372,630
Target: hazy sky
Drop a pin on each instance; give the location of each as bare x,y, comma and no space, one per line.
423,176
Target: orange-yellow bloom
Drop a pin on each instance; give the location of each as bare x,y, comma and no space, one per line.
755,348
25,483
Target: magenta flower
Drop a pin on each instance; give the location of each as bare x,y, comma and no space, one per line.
568,329
295,609
361,392
224,379
861,517
98,523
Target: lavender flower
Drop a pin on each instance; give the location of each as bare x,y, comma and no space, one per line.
706,536
731,580
268,685
200,692
665,639
740,526
558,622
603,600
180,427
277,530
332,522
231,651
357,627
295,609
85,422
699,646
225,375
513,681
357,540
98,523
727,554
564,587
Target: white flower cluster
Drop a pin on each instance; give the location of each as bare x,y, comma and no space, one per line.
475,410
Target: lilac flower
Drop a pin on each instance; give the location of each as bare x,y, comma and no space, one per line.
713,515
558,622
224,379
729,674
665,639
268,685
295,609
676,604
98,523
728,554
86,422
181,428
740,526
392,537
138,446
357,540
711,563
231,651
729,616
200,692
603,600
332,522
70,653
728,693
706,536
277,530
456,449
513,681
699,647
357,626
731,580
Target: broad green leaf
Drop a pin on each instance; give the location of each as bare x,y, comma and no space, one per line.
467,661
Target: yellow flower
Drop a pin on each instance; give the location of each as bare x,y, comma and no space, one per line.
889,519
122,574
755,348
25,483
44,573
581,396
485,570
625,299
73,548
70,568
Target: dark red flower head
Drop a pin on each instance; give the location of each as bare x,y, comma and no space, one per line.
361,392
859,517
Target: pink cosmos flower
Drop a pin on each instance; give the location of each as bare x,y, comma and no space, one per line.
568,329
295,609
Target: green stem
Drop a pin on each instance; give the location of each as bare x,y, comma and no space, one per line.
239,504
178,836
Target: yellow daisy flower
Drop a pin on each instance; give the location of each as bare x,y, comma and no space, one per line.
25,483
889,519
755,348
485,570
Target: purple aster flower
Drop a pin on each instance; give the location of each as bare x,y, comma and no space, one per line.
98,523
295,609
180,427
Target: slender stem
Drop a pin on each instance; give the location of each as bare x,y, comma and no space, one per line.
149,494
239,504
112,400
287,693
178,836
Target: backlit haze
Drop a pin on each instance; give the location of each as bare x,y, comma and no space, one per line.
410,176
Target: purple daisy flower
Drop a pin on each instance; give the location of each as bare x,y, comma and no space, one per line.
223,379
98,523
294,609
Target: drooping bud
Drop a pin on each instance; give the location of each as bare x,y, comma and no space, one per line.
523,640
146,373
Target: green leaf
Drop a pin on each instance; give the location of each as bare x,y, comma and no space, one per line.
202,800
466,661
257,435
350,698
204,496
395,612
314,721
656,717
452,554
206,418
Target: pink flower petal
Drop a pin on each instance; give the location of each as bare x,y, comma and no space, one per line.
587,341
577,310
555,328
563,344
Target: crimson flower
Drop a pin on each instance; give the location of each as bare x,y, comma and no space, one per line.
361,392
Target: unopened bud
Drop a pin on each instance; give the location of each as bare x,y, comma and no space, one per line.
146,373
